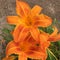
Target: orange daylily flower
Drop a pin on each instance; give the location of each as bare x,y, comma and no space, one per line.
55,36
28,21
28,41
29,48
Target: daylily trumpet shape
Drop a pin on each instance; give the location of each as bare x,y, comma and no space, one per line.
29,48
28,21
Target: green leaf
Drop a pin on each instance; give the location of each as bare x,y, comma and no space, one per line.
58,43
12,27
55,48
48,29
6,34
51,56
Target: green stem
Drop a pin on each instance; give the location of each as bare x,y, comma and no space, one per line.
52,54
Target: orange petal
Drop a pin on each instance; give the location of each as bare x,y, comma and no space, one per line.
17,31
35,33
36,10
43,21
44,41
22,8
55,32
55,38
11,48
13,20
44,37
10,45
22,57
38,55
23,34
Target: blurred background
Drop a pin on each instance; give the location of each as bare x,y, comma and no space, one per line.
7,7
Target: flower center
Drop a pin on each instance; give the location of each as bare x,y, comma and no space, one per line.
29,45
28,21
